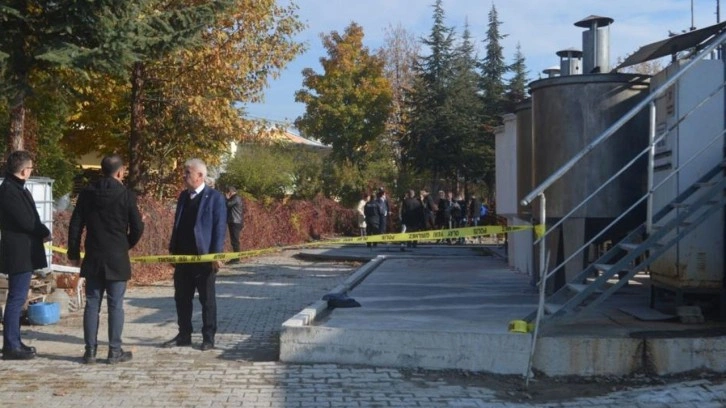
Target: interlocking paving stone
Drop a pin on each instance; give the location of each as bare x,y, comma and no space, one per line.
254,299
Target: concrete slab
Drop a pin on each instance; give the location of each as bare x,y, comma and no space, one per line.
448,307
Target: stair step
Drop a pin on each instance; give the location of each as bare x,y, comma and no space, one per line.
628,247
679,205
603,267
552,308
581,287
607,267
705,184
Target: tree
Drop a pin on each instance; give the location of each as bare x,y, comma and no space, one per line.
468,155
517,87
429,126
174,25
493,69
44,126
36,36
492,88
192,97
651,67
399,51
104,35
348,105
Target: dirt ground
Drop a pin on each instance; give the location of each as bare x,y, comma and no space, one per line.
542,389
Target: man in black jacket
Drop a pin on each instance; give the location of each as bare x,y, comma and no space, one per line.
21,248
235,219
412,215
109,213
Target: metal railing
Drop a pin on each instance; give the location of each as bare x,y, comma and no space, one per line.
539,191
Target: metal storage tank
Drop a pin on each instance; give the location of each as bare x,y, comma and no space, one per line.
525,156
568,112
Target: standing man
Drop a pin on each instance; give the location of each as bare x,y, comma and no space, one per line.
21,248
199,228
412,215
430,209
385,210
235,219
109,213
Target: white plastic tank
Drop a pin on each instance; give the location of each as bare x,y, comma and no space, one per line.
41,188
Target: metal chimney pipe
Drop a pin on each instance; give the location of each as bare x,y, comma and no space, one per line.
595,44
570,62
552,71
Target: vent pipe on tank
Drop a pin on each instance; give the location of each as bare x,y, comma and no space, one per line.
570,62
595,44
552,71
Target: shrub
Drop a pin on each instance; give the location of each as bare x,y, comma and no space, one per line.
277,223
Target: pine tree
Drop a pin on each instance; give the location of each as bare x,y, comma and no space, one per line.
493,69
81,35
88,35
468,153
517,86
492,89
429,124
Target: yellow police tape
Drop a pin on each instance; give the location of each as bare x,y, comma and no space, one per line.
454,233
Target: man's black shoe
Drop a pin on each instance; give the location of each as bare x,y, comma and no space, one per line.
28,348
207,345
90,356
119,356
233,261
18,354
178,341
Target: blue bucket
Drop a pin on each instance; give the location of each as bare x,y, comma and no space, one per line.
44,313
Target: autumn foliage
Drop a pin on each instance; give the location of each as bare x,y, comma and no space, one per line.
275,224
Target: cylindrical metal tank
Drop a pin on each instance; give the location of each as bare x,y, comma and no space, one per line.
568,112
525,157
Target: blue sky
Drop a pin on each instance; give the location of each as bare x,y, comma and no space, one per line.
541,27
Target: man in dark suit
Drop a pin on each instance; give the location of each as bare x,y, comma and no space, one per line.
110,215
200,226
21,248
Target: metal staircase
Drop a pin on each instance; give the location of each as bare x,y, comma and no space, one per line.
638,250
661,229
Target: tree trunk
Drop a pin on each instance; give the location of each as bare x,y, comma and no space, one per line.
16,137
137,125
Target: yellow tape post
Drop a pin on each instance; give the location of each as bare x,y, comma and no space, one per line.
465,232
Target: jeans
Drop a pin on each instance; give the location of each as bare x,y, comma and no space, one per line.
18,286
115,290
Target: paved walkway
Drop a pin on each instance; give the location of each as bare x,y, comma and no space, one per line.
254,299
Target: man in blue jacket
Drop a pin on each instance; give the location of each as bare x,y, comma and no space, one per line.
21,248
200,226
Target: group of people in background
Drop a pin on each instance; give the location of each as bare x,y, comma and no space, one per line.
419,212
108,213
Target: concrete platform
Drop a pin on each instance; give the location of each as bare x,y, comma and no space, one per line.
448,307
